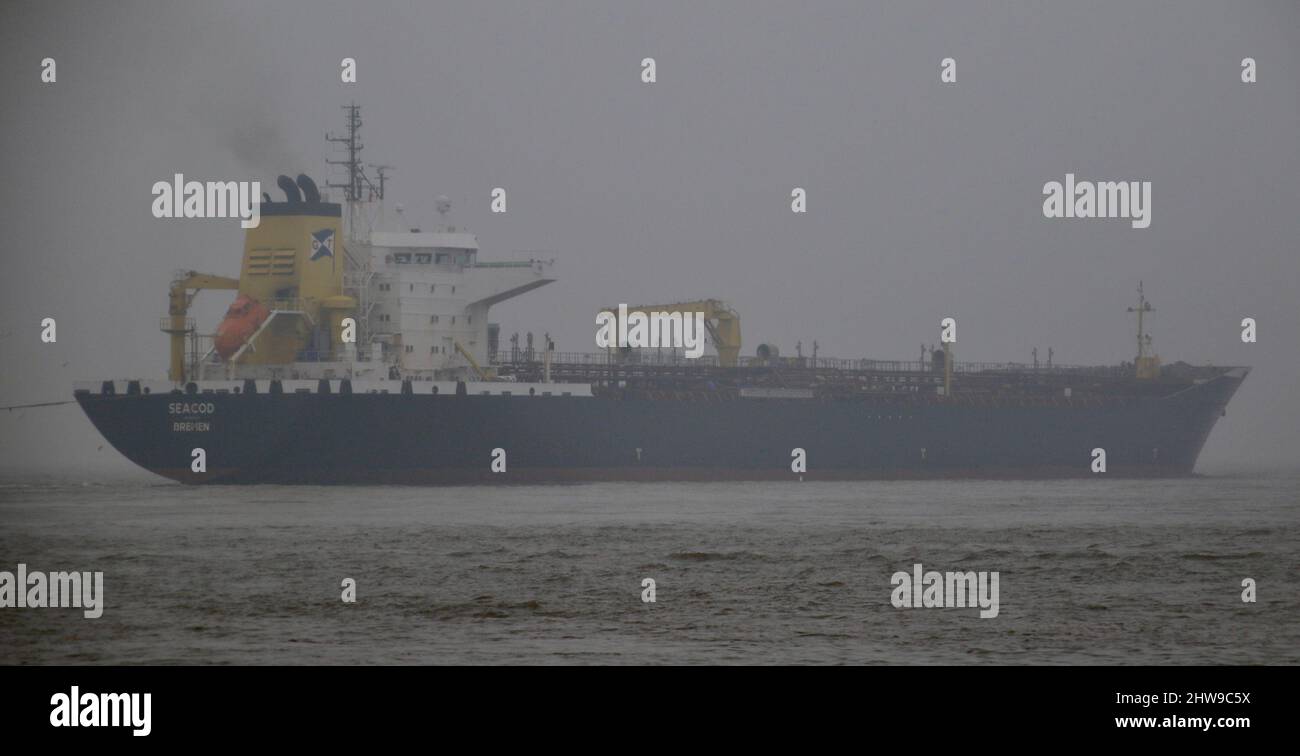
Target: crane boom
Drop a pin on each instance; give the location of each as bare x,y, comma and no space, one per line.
179,296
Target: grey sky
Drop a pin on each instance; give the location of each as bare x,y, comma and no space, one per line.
924,199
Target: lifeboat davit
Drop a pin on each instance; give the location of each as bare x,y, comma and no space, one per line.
242,320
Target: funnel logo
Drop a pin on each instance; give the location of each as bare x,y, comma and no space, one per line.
322,244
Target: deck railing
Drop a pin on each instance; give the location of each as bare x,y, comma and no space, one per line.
653,357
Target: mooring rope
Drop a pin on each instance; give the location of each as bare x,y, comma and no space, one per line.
41,404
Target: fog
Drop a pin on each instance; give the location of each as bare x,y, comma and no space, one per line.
924,199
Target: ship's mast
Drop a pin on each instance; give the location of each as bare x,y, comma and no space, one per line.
358,189
1147,364
1142,309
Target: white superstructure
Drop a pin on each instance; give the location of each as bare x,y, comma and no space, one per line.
426,292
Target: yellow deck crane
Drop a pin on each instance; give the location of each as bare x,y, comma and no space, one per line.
721,321
177,324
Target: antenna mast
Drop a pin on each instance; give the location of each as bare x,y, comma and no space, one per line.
382,175
1142,309
1147,364
358,188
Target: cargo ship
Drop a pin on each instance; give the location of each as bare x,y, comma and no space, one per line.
356,353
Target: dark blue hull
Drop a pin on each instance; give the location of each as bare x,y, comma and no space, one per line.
447,439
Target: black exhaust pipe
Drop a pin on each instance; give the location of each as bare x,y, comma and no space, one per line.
291,193
309,190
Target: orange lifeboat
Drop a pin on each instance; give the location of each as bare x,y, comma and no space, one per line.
241,322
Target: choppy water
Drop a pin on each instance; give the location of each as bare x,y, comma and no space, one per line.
1090,572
